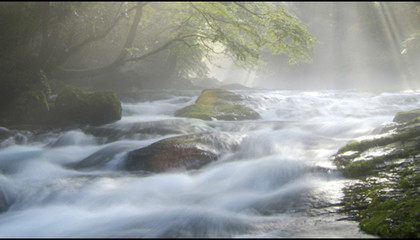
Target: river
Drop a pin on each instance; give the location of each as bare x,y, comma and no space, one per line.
277,182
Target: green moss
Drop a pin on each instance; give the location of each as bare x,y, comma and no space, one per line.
414,120
393,218
406,116
207,97
385,199
365,144
199,111
361,146
236,112
351,146
359,169
410,181
217,104
105,106
75,105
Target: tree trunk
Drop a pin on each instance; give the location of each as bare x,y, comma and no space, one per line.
45,13
119,61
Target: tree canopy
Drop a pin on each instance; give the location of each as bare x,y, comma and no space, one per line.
58,31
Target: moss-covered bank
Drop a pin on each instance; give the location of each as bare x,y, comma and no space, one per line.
385,199
75,105
218,104
32,109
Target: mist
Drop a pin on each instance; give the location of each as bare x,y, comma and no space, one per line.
209,119
360,46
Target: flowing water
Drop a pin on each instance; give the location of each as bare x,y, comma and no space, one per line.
277,181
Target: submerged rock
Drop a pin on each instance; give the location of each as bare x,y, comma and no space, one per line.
101,158
77,106
218,104
175,153
385,199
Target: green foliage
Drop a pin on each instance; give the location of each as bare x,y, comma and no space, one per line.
203,31
82,35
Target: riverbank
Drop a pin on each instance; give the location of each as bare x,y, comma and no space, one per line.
385,199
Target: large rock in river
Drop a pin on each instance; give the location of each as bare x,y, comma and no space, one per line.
218,104
75,105
31,107
175,153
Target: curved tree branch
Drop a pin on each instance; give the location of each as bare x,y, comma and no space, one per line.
119,61
76,48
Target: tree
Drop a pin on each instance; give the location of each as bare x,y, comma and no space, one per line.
47,38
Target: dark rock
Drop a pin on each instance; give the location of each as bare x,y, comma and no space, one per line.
77,106
102,157
176,153
31,107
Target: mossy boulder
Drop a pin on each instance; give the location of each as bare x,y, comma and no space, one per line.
75,105
31,107
218,104
385,197
175,153
406,116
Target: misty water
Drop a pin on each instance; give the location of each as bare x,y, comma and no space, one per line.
274,178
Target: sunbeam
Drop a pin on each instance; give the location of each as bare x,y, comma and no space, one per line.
209,119
359,47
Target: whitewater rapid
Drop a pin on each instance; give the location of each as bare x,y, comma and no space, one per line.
278,181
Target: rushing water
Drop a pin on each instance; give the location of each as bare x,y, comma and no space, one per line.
278,181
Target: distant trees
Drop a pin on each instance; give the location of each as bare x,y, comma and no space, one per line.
54,32
185,33
42,42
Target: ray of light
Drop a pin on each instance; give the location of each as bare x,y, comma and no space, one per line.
394,33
